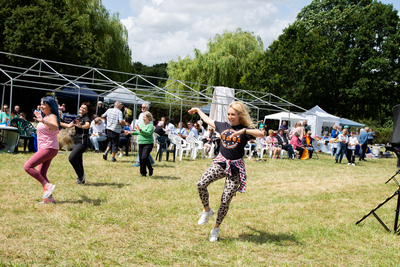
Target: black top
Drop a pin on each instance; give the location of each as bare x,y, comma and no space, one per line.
282,139
160,131
82,135
231,148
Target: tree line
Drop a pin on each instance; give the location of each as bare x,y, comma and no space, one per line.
342,55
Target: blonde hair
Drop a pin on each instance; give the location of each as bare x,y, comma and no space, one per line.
98,120
148,115
270,131
243,111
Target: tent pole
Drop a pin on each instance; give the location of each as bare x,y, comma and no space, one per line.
180,129
2,99
169,117
10,106
79,100
97,105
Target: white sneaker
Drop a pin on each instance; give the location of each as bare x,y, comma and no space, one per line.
214,235
120,155
348,163
205,216
353,164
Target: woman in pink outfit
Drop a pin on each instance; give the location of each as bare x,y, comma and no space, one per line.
272,141
47,130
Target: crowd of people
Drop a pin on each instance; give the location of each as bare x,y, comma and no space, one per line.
232,138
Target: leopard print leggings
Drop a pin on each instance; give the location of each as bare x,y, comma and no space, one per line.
232,183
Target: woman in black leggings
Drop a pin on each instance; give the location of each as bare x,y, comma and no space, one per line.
229,163
81,139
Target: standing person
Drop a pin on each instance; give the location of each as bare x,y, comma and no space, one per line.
98,133
4,115
363,140
307,128
47,130
353,141
81,139
284,127
100,109
114,124
342,146
229,163
145,107
334,135
17,110
146,142
370,137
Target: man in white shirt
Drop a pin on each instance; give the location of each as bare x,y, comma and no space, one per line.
181,129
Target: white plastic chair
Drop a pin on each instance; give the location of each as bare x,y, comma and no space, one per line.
181,146
247,149
260,148
196,146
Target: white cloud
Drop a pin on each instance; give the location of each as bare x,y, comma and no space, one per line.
162,30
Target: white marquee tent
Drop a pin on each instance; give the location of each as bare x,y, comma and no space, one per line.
320,120
285,116
222,97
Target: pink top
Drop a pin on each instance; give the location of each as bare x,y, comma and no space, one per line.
46,137
271,140
295,142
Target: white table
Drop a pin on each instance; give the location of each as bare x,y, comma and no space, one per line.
328,148
10,137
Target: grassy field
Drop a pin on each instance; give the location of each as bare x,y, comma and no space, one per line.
294,213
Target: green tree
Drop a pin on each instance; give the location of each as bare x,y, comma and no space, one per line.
341,55
74,31
224,62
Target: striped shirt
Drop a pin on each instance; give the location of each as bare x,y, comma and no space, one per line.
114,116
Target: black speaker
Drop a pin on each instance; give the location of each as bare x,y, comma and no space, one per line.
395,138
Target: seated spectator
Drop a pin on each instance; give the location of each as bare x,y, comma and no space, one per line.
296,144
13,114
307,142
162,120
4,115
198,128
283,142
181,129
170,128
124,139
201,129
273,143
192,131
98,133
210,138
160,130
22,115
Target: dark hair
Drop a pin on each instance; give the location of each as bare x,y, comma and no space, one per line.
89,109
53,106
171,120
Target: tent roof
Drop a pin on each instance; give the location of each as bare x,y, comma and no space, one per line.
72,91
284,116
344,121
320,113
206,109
125,96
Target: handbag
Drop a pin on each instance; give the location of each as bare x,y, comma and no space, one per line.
305,154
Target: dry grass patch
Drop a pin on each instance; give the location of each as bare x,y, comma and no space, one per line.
293,213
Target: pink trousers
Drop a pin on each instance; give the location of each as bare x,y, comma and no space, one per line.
42,159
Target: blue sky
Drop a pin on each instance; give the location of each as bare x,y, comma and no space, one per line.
162,30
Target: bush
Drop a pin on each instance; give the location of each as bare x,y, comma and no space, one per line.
382,135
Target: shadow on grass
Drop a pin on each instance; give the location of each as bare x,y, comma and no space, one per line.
262,237
85,199
164,177
119,185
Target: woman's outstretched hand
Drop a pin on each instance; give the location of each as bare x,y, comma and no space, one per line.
193,110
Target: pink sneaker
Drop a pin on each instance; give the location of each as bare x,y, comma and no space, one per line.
48,190
48,201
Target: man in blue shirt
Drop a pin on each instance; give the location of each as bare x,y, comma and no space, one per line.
363,141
